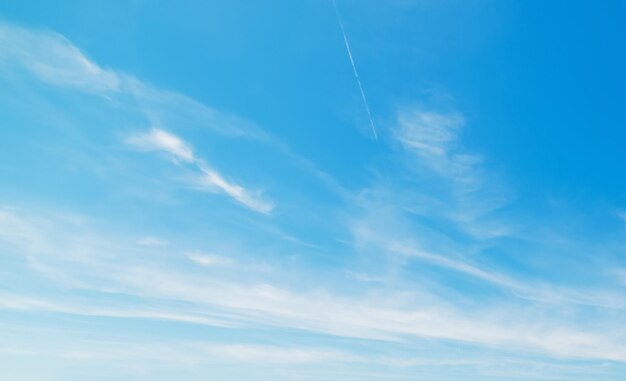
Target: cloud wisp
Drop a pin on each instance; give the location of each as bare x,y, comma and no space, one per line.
53,59
209,179
368,316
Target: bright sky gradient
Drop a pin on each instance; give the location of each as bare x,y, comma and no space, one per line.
192,190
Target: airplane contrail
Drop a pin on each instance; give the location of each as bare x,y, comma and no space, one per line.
356,73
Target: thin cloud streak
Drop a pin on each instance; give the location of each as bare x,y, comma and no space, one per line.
387,231
209,259
53,59
21,302
368,315
180,151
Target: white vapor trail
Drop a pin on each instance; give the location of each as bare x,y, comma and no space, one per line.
356,73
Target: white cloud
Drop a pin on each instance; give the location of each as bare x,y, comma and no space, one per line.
189,355
362,317
53,59
209,259
159,140
389,315
208,179
432,137
427,133
21,302
251,199
445,181
389,234
267,354
180,352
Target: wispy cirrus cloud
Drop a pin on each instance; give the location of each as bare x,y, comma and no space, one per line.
432,136
441,209
450,182
393,317
21,302
362,318
203,259
192,355
208,179
267,354
386,234
428,133
56,61
163,141
53,59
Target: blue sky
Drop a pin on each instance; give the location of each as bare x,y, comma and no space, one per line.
193,190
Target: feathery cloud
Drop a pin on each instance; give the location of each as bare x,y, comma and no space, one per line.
208,259
367,315
160,140
53,59
208,179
